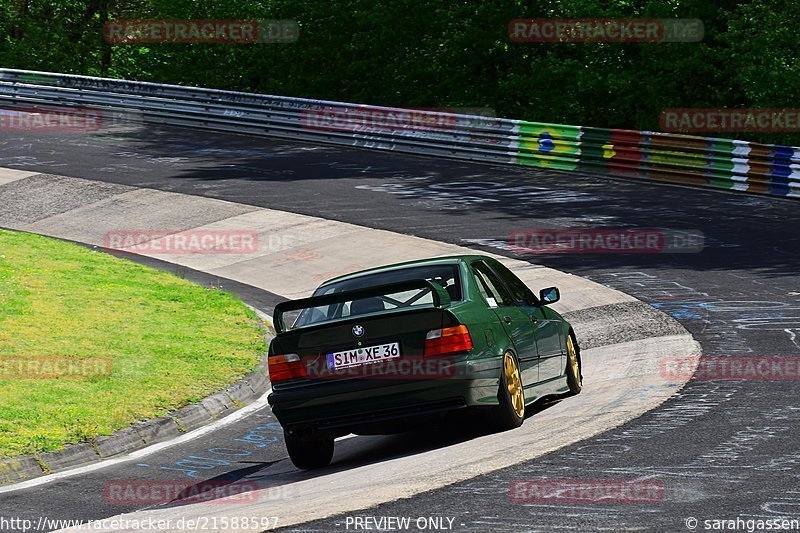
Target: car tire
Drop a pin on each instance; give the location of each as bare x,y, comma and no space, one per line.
308,453
511,396
574,376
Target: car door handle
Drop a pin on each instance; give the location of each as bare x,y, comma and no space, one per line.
534,319
507,319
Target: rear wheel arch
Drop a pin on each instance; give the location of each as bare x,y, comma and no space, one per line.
573,370
507,415
509,350
571,333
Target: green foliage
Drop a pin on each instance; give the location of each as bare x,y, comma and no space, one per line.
440,53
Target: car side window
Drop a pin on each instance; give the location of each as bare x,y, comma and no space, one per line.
490,285
522,294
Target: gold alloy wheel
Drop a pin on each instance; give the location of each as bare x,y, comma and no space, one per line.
514,384
573,361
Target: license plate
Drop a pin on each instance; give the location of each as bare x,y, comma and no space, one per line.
360,356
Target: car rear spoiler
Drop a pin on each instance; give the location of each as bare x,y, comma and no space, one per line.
441,298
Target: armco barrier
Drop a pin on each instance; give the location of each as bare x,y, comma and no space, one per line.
683,159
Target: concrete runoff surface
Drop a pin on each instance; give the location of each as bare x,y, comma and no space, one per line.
623,378
289,263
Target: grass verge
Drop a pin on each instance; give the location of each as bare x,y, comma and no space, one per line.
90,343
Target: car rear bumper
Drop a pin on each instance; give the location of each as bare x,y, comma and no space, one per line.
342,406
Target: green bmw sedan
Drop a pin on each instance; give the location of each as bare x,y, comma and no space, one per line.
381,350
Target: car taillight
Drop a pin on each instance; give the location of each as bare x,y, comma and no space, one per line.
447,340
283,367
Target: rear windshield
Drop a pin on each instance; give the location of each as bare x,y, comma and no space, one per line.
445,275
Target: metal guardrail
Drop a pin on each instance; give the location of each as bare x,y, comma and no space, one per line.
683,159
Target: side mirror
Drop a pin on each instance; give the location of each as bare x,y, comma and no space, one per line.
549,295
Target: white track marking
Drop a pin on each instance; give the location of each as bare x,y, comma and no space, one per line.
260,403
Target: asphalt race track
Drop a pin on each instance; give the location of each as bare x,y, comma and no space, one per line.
722,449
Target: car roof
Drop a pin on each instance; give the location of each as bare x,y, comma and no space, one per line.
450,259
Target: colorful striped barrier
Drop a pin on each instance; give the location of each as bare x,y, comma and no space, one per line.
663,157
645,155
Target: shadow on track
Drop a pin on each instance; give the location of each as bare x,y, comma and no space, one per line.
237,486
741,231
